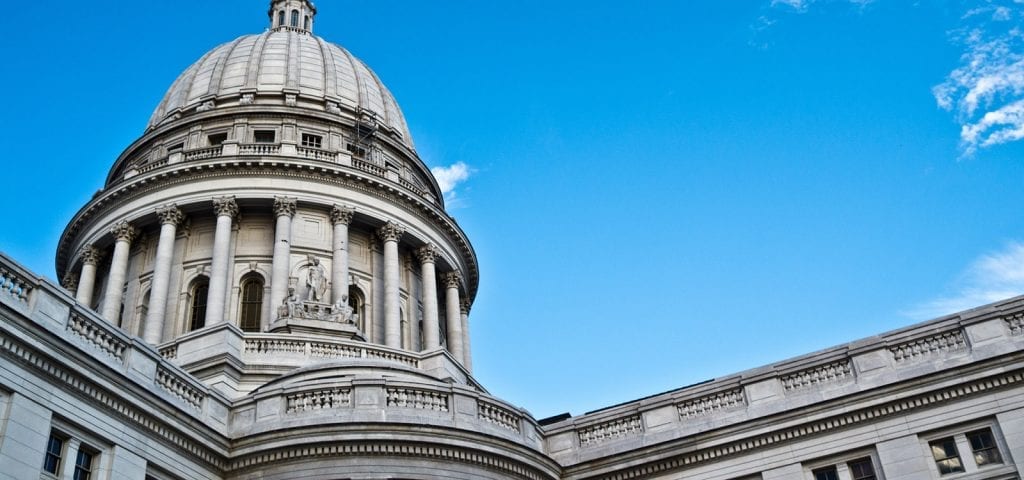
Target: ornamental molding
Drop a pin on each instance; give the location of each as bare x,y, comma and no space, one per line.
390,232
225,206
70,281
336,175
342,214
464,306
285,206
1015,323
109,401
91,255
123,231
451,279
170,215
842,421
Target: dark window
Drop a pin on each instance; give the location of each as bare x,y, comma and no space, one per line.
862,469
827,473
197,315
217,139
177,147
356,150
264,136
83,465
252,304
295,18
983,445
307,23
314,141
280,18
54,449
946,457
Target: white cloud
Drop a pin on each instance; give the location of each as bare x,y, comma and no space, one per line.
450,177
992,277
799,5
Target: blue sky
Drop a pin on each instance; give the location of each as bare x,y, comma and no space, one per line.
659,192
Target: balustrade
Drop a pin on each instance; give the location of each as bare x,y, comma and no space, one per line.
97,334
14,285
417,399
939,343
318,400
499,416
204,153
171,383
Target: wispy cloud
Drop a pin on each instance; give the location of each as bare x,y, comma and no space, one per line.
992,277
798,5
450,177
986,91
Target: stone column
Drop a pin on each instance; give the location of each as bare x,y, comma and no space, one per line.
123,233
170,217
226,209
390,233
467,357
454,315
87,280
431,323
341,216
284,210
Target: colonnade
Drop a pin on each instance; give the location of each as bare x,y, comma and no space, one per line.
284,208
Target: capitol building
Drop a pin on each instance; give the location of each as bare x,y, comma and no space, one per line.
268,286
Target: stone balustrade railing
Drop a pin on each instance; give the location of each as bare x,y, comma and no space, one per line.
257,348
204,153
865,365
259,149
54,310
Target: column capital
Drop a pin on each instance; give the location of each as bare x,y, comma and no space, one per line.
342,214
123,231
70,281
464,306
225,206
452,279
91,255
390,232
170,214
426,253
285,206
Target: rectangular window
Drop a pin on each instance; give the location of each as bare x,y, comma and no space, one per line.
83,465
177,147
946,457
312,141
983,446
217,139
54,450
827,473
862,469
264,136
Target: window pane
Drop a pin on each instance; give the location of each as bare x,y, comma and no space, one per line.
827,473
862,469
983,446
252,305
83,465
198,317
54,446
946,456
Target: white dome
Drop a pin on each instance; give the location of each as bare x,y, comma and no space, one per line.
280,62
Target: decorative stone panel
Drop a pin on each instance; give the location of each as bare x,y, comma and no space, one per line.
709,404
618,428
941,343
832,372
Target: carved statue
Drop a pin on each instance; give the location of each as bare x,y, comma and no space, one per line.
206,106
289,305
316,280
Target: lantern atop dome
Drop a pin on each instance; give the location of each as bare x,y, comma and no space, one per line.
294,15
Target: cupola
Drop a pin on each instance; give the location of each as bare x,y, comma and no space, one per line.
295,15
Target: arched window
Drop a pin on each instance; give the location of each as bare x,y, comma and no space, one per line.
280,18
197,308
143,311
295,18
251,309
356,301
306,25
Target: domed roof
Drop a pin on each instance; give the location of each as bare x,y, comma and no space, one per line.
283,62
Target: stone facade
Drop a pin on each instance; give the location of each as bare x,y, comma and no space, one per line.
268,286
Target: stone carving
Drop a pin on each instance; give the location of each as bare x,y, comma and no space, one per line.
313,309
247,99
940,343
70,281
225,206
284,206
316,279
342,214
91,255
464,306
170,214
1016,323
452,279
619,428
290,304
426,254
291,99
831,372
333,107
709,404
390,232
123,231
206,106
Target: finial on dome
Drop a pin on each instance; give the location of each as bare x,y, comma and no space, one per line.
294,15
